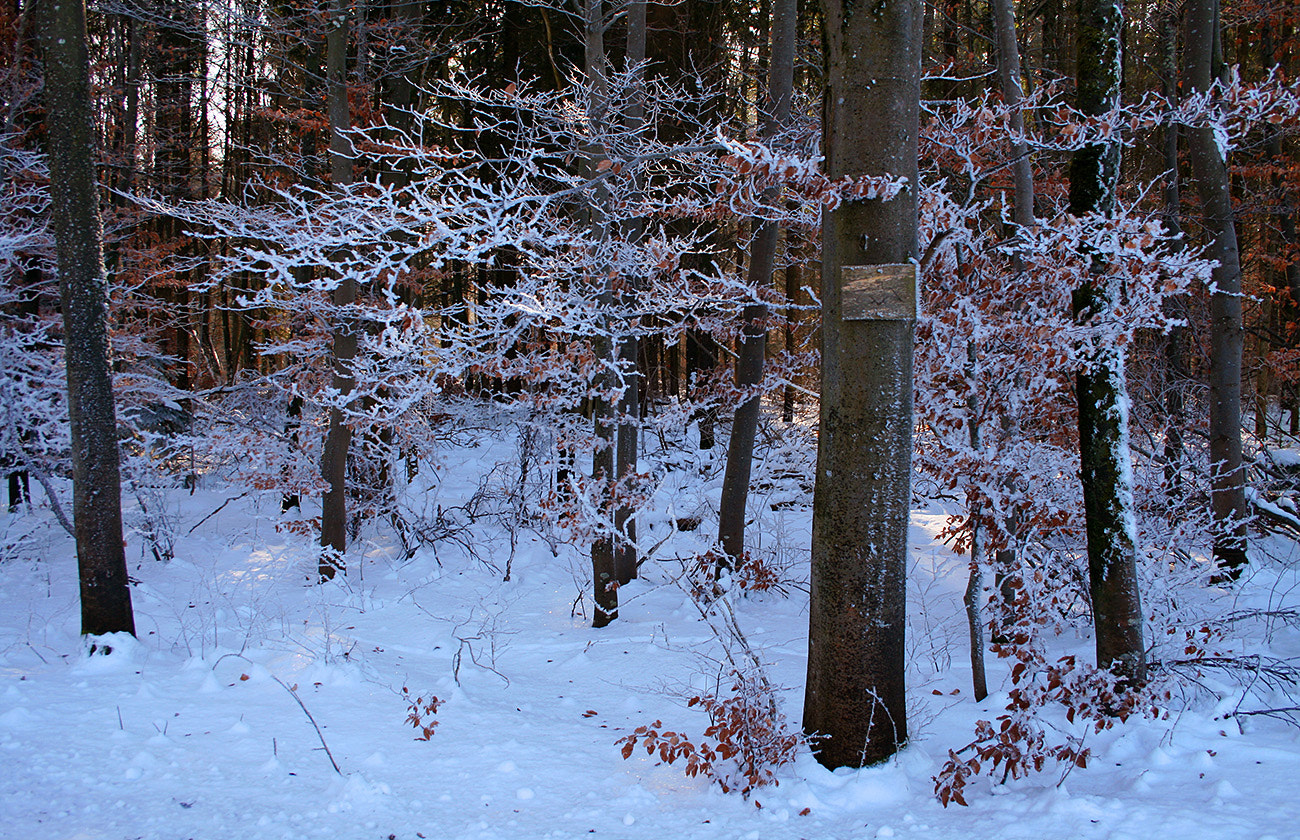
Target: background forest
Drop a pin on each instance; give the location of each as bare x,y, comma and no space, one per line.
466,362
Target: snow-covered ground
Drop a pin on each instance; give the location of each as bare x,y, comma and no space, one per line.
195,730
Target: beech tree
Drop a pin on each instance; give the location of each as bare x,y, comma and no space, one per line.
1105,462
83,289
854,702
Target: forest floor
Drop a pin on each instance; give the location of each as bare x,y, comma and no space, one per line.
196,731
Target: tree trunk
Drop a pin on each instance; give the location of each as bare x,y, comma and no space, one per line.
793,279
1004,23
1175,368
855,695
1009,79
974,596
1101,392
1210,174
753,338
83,288
701,362
603,460
334,459
629,349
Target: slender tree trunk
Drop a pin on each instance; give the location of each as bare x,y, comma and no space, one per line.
334,459
855,696
701,362
1004,23
1103,402
974,596
1009,79
1175,369
83,289
1210,175
753,337
793,279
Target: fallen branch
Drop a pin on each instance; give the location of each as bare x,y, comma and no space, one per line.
294,694
55,507
1281,521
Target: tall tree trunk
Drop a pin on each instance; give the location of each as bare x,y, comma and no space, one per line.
1009,80
83,290
753,337
1103,402
629,407
1210,175
603,461
855,697
334,459
1175,368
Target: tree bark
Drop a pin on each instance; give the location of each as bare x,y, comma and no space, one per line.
83,290
1106,472
753,337
1210,175
855,696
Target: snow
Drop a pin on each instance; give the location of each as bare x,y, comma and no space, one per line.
193,730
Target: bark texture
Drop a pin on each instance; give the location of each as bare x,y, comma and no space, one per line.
855,700
83,291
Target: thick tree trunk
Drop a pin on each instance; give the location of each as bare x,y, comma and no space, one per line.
753,337
334,459
1101,392
83,289
855,696
1210,174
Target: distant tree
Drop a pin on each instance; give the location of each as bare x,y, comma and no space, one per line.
83,288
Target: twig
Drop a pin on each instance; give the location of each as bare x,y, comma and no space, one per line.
218,510
319,734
